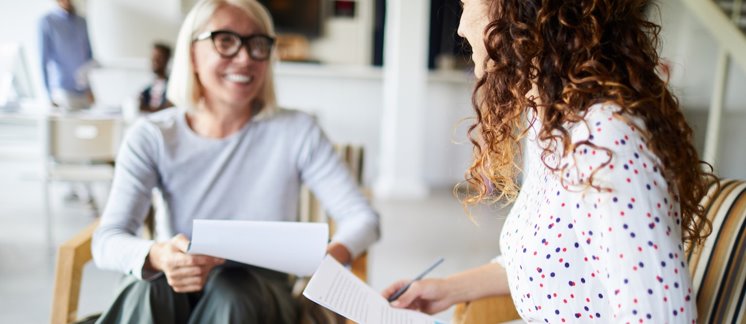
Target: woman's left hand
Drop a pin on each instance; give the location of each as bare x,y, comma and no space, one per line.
339,252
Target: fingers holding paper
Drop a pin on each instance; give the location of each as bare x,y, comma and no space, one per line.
184,272
427,295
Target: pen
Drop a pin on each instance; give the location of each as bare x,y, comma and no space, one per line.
401,290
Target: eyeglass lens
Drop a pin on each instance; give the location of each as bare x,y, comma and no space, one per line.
228,44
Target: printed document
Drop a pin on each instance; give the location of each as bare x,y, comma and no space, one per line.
337,289
290,247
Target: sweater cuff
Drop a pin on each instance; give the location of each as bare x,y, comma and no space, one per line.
142,249
357,237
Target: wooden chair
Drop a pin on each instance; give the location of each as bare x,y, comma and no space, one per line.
75,253
717,267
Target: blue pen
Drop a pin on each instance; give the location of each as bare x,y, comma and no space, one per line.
401,290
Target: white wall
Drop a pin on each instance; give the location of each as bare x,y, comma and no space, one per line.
691,49
19,24
693,54
126,29
347,101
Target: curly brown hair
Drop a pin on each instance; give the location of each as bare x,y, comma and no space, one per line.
577,53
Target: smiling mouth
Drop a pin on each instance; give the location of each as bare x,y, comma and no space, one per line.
239,78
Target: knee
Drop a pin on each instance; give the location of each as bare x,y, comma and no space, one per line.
240,292
156,292
236,284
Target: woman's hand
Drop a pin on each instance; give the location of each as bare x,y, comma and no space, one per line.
184,272
339,252
428,295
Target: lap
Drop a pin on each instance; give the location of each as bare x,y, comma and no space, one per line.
241,292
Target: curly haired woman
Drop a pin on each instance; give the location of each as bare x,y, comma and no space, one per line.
612,183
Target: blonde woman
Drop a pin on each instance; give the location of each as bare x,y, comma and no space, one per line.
224,152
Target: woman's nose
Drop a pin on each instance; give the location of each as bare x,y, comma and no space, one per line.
243,54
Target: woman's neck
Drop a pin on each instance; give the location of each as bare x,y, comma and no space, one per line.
218,122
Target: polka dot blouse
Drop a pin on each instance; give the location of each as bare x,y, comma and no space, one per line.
577,254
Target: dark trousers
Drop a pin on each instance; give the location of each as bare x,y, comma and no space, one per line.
233,294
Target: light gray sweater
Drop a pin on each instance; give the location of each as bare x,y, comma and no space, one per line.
254,174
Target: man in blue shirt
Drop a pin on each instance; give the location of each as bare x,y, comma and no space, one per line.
65,56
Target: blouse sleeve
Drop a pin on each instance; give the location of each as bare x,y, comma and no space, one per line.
115,244
628,223
324,172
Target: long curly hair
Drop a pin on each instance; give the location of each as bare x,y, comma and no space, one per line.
577,53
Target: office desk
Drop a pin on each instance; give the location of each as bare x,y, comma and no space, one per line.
45,145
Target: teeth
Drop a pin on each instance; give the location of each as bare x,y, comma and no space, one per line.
240,78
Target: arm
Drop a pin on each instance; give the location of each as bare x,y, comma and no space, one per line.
435,295
631,234
116,245
89,49
144,100
45,48
89,56
328,177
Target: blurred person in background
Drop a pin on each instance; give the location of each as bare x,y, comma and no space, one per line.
66,57
153,97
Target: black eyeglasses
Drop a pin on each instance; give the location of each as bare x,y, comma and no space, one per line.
228,43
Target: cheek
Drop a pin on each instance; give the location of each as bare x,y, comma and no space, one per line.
202,62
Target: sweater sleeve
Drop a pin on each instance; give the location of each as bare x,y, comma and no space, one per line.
45,54
628,224
323,171
116,245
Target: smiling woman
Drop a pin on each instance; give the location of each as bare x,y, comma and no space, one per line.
225,151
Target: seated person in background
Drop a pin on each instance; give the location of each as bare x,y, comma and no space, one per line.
225,151
613,183
153,98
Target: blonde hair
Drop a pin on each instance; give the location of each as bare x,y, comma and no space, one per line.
184,89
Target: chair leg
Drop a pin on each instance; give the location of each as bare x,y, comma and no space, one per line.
91,199
47,214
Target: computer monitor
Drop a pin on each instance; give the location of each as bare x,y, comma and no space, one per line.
15,78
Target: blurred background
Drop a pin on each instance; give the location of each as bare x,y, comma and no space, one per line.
391,76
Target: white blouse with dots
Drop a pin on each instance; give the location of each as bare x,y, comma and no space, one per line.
578,254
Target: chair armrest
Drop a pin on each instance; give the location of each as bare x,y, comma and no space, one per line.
488,310
72,256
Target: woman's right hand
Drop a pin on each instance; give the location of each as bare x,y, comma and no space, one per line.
184,272
427,295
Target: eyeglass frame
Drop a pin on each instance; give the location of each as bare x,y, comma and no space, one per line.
244,42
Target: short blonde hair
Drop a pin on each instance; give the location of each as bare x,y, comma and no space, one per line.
184,89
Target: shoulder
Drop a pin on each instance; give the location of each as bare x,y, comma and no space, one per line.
46,19
80,20
605,137
293,119
605,125
155,125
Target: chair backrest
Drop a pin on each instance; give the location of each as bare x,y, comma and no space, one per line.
718,267
310,209
78,139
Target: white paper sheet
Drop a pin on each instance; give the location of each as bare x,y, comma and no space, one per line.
290,247
337,289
